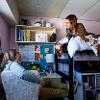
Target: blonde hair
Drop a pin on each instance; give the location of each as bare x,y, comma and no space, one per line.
8,55
80,30
12,53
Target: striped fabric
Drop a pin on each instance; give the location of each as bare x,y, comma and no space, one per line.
53,89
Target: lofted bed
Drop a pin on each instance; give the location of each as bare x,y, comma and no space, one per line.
77,44
78,49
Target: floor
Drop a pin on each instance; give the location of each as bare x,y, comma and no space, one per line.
2,97
2,94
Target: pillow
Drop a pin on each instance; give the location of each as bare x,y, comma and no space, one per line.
86,45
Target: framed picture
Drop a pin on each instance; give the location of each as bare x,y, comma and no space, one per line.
41,37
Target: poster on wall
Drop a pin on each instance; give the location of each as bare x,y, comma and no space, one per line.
37,53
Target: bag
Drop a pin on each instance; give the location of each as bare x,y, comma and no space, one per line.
53,37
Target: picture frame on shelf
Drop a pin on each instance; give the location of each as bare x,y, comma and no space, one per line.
40,37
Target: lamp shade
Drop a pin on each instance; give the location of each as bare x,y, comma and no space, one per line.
50,58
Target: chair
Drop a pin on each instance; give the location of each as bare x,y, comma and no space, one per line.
18,89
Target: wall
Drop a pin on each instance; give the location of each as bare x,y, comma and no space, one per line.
59,24
91,26
35,53
13,44
4,34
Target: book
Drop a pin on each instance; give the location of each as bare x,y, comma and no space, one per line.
24,35
27,35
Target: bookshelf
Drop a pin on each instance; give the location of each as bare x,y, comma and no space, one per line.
33,44
31,34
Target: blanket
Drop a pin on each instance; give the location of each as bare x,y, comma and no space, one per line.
77,44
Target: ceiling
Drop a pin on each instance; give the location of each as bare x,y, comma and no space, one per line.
84,9
41,8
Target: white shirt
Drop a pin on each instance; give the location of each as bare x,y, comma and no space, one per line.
16,68
7,66
76,44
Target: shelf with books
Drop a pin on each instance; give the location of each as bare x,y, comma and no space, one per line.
33,34
34,42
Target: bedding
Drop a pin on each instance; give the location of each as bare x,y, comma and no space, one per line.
64,40
77,44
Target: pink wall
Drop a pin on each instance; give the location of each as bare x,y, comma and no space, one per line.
4,34
13,44
91,26
59,24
